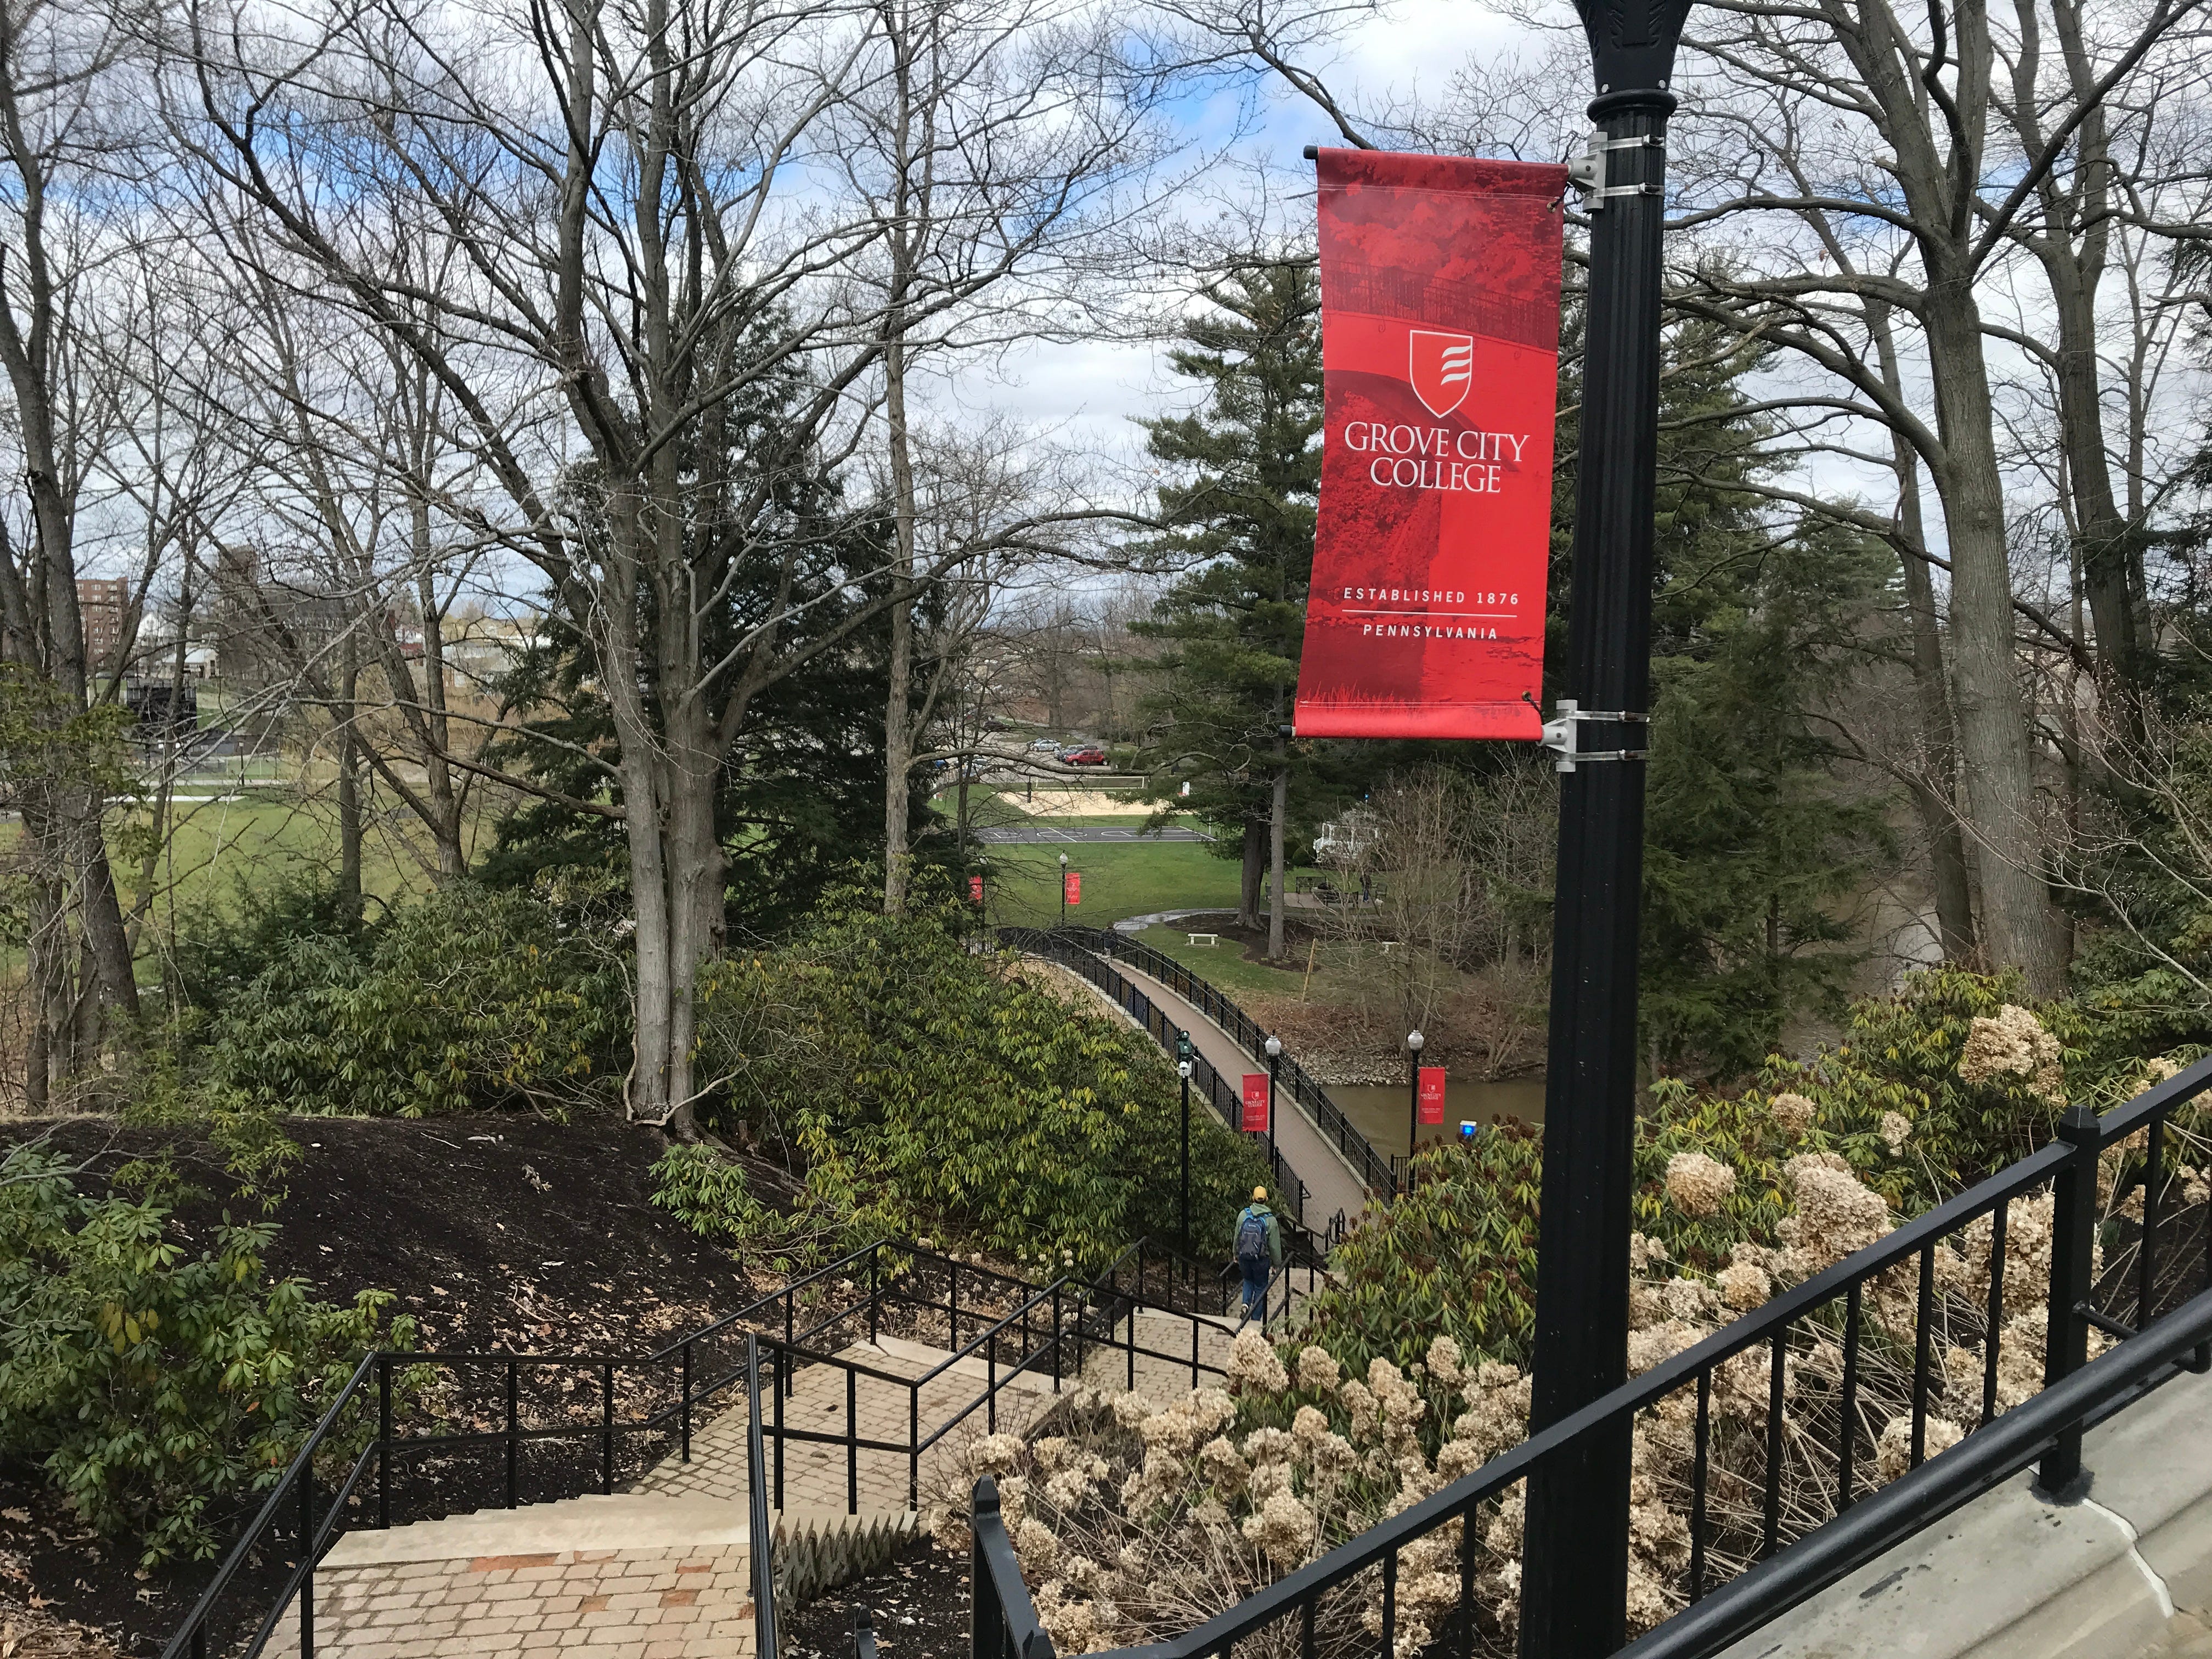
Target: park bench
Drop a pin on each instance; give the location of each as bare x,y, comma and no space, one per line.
1205,938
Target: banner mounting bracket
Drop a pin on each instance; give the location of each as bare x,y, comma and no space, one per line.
1561,734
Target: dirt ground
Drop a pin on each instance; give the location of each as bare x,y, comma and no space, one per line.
917,1607
492,1232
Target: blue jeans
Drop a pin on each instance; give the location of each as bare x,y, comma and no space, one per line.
1255,1285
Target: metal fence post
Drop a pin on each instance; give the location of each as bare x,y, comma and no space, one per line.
514,1428
307,1562
607,1425
987,1630
2073,1239
683,1410
384,1440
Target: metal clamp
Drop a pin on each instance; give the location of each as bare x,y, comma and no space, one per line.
1587,172
1559,734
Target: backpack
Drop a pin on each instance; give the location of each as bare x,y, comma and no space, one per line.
1252,1239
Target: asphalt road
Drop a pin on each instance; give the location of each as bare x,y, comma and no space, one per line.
1031,834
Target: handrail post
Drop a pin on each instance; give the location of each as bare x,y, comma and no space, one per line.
987,1630
307,1562
875,1254
384,1441
607,1425
2073,1240
514,1428
684,1411
1055,1335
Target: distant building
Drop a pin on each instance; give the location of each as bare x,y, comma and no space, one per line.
102,606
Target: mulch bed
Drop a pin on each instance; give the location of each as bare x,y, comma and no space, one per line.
494,1232
918,1607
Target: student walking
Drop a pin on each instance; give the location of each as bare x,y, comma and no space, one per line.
1259,1247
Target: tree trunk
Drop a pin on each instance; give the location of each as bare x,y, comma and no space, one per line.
2020,927
1276,821
898,701
1255,865
349,787
1934,784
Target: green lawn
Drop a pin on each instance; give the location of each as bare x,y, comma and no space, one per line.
1120,879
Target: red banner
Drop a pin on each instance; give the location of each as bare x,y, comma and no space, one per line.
974,889
1433,1094
1071,887
1256,1101
1440,351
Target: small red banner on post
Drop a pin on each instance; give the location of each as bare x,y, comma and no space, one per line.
1433,1094
974,889
1256,1101
1071,887
1440,357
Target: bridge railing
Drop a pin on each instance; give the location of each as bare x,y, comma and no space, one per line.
1767,1436
1218,1092
1374,1170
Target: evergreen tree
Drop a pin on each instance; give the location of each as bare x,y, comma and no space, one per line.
801,794
1752,841
1239,511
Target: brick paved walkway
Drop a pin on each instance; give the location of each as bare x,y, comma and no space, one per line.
680,1603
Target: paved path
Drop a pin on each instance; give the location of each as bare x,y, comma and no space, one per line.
1039,834
1330,1184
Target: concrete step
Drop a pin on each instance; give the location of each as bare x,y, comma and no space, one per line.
623,1521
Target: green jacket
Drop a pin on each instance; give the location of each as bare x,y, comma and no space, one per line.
1275,1233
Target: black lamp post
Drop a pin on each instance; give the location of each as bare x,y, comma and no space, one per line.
1063,889
1574,1586
1274,1046
1415,1043
1182,1069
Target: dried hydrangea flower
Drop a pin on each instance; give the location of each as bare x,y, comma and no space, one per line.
1699,1185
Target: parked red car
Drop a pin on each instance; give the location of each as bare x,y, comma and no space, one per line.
1085,757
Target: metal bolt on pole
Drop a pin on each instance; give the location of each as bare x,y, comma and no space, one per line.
1575,1555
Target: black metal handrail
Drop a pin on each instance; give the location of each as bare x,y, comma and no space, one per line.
1006,1625
760,1529
1215,1089
2048,1426
300,1518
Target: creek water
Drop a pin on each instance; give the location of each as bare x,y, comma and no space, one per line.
1379,1111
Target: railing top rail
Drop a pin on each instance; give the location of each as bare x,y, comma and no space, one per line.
1909,1240
951,1359
1922,1496
2178,1090
747,1312
303,1459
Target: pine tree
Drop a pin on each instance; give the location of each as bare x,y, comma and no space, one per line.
1752,841
1239,516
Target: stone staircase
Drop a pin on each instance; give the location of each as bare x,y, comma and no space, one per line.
664,1569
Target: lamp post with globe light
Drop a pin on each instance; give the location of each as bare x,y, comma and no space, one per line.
1182,1071
1274,1046
1415,1043
1574,1586
1063,889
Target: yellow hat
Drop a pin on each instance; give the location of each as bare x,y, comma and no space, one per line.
1259,1194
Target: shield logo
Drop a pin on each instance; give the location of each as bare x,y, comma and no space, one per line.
1441,369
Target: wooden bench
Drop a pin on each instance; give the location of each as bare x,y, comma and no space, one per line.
1205,938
